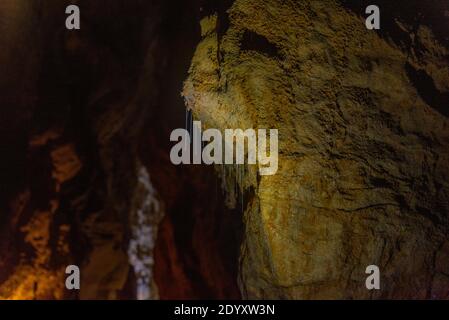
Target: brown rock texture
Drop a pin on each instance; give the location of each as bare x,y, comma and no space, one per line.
363,143
86,178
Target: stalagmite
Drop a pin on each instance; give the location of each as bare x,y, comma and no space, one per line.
145,220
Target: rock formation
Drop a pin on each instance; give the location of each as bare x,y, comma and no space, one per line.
85,121
363,149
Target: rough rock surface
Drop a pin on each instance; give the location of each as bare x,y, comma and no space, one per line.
363,144
85,119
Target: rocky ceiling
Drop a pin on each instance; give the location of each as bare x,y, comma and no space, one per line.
85,121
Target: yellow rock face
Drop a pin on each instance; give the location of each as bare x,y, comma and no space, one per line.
363,157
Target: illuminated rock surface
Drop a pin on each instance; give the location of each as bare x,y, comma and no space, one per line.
363,138
85,119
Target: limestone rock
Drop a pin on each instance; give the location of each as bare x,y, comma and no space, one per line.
363,147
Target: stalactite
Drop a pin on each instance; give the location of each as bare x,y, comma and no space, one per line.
242,187
223,178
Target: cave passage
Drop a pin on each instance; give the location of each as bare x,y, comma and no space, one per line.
97,115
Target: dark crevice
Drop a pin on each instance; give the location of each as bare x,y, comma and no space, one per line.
255,42
437,100
414,13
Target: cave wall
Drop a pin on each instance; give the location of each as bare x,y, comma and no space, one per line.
363,143
363,149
